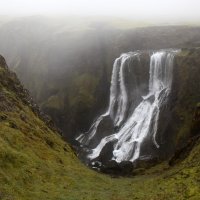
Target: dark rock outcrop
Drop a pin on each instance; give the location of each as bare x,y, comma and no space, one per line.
12,83
124,168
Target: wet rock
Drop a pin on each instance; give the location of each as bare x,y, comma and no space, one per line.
122,169
76,146
126,167
111,167
146,162
104,129
96,165
107,152
151,98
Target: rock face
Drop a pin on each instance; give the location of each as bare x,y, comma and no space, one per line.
139,93
12,82
170,135
72,84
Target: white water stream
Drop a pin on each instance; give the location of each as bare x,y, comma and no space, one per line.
134,129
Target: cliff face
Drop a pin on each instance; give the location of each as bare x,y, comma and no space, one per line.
68,71
184,99
35,163
177,123
186,94
86,94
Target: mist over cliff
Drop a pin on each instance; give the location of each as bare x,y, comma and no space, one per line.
66,64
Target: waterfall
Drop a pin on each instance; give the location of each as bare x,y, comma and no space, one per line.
118,98
135,125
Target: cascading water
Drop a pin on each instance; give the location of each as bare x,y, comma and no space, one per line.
133,125
118,98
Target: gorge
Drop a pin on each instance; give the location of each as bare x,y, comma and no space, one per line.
134,108
34,155
133,116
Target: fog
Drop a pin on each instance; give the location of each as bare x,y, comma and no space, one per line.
167,11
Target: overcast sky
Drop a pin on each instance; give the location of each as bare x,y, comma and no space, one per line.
136,9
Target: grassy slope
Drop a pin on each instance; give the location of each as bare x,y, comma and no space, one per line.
36,164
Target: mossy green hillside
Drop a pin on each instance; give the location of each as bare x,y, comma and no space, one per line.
35,163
